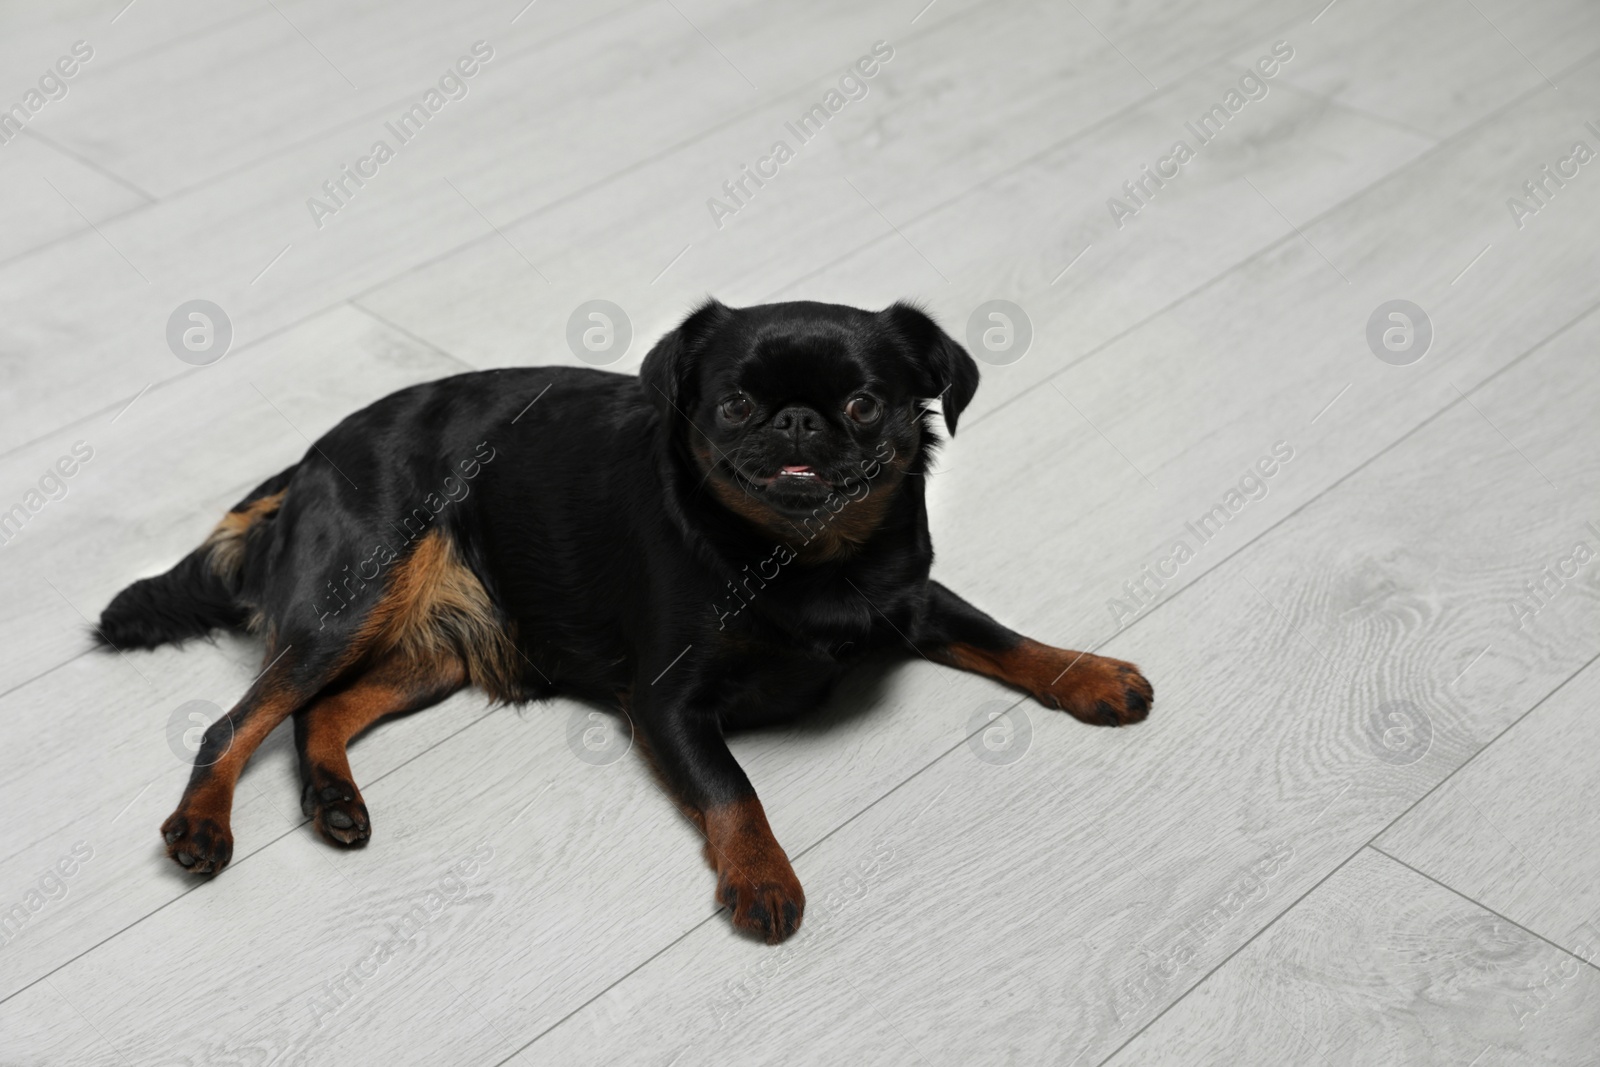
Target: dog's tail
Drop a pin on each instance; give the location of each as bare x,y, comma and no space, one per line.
201,593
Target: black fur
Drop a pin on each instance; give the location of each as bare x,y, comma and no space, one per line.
188,601
711,544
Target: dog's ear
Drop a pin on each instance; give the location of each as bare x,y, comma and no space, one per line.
942,367
667,373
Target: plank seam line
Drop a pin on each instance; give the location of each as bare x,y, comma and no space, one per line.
1020,699
1265,250
241,861
379,111
1328,489
97,167
1368,844
423,341
396,276
1221,563
1480,904
914,775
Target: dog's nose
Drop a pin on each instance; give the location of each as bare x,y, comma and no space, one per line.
798,421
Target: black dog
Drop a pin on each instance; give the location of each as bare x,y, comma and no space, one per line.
707,546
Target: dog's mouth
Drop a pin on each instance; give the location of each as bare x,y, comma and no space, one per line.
790,485
795,475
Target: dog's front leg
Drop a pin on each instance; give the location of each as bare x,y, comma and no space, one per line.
1095,689
755,881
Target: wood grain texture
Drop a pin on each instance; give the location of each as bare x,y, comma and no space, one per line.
1515,828
349,63
34,35
510,152
518,902
1063,901
107,799
1178,268
224,237
168,461
1498,51
41,1029
967,230
343,968
1380,965
46,195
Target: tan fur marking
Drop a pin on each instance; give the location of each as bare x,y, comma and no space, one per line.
1097,690
227,540
434,609
825,534
392,685
212,797
754,877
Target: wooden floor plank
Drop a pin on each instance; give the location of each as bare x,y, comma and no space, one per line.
98,808
281,75
40,1028
49,195
1514,829
1043,893
1344,644
1379,965
228,234
166,462
249,242
1374,65
1042,878
1455,198
33,36
802,237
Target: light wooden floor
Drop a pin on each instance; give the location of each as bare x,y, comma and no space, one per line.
1359,827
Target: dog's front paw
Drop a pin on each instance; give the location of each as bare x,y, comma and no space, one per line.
198,845
767,902
335,808
755,880
1100,691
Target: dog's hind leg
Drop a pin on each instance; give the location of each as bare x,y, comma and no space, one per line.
433,631
198,834
433,617
395,685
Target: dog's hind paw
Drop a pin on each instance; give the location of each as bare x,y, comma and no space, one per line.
336,810
198,845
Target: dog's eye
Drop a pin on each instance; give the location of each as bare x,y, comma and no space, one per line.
863,409
737,408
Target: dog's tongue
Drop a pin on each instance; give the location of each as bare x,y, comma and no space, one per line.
796,468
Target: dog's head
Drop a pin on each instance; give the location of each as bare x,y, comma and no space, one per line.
786,406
